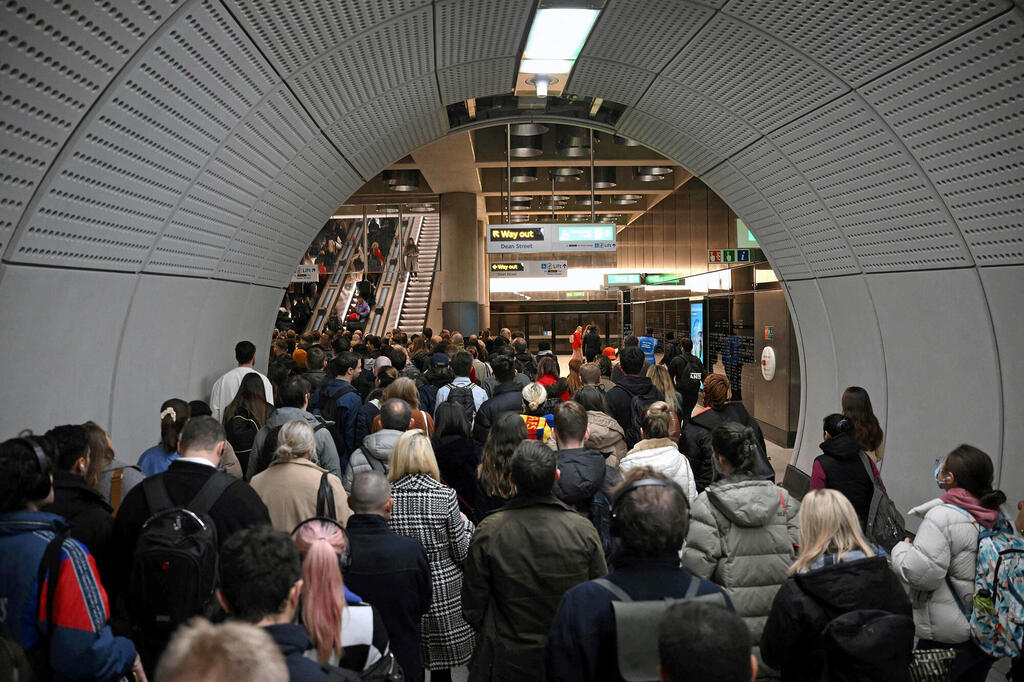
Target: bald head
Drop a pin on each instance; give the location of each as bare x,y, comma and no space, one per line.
395,414
370,494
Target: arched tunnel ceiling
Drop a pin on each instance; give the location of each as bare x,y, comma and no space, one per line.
865,144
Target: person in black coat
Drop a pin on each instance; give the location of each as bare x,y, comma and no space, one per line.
388,570
201,443
843,467
687,374
506,397
76,500
457,454
696,436
591,343
632,384
837,572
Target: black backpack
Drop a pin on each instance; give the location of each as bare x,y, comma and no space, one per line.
330,413
638,405
463,397
689,380
174,569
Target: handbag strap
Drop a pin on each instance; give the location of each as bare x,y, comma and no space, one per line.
325,498
620,593
866,461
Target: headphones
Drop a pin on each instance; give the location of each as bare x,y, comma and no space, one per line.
345,558
640,483
40,489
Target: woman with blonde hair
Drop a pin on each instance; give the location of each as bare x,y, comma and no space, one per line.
661,378
292,485
427,510
536,415
657,451
837,571
344,631
404,388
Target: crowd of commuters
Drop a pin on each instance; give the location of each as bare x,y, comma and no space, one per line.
392,508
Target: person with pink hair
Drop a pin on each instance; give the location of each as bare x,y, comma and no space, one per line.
345,631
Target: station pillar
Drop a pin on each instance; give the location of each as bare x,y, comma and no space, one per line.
460,263
485,276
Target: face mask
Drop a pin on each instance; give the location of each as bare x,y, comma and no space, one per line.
938,472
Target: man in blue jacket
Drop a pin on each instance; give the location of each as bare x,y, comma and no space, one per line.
338,401
51,600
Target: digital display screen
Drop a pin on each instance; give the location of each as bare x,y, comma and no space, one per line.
697,329
624,279
586,233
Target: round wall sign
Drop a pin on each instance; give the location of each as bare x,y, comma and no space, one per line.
768,363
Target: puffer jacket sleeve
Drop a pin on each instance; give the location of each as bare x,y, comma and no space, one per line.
924,563
783,631
792,516
356,464
703,546
459,531
697,448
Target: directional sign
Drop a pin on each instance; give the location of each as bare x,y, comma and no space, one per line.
728,255
623,279
305,273
530,268
550,238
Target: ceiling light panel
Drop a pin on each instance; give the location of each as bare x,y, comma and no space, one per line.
559,33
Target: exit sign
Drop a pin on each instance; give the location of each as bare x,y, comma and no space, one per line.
575,294
728,255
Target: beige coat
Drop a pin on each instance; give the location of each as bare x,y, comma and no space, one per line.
606,436
229,461
289,489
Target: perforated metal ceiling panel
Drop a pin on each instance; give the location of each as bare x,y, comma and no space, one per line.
104,204
805,217
960,121
613,81
475,30
360,70
664,139
890,214
644,35
861,40
477,79
727,56
697,115
294,34
57,60
750,206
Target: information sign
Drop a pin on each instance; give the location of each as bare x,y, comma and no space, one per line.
550,238
305,273
530,268
728,255
623,279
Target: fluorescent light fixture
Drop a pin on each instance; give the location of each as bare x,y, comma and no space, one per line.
541,83
546,66
559,33
765,276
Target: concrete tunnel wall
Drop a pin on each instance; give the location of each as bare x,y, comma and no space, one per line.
167,163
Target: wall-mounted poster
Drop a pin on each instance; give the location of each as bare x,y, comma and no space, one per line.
697,329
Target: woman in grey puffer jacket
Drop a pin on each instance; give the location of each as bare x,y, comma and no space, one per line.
742,529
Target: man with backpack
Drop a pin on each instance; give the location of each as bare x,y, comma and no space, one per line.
167,534
688,374
294,401
604,623
632,394
338,402
374,454
462,390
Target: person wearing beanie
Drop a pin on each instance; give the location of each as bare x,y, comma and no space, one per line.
299,356
380,363
697,433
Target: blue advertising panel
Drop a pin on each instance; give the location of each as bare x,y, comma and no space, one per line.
697,329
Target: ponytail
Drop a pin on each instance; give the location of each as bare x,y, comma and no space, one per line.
974,472
322,589
173,415
736,444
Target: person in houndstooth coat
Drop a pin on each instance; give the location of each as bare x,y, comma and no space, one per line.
427,510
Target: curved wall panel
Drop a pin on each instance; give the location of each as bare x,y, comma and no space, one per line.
165,165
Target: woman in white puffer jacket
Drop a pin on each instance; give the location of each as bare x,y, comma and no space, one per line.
946,545
659,452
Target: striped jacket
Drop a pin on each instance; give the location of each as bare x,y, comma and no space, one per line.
82,645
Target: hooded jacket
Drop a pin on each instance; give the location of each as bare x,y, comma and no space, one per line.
373,455
620,398
526,364
741,536
662,455
507,397
606,437
696,438
841,468
326,453
582,476
791,641
946,544
82,644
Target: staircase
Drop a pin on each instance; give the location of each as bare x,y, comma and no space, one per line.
416,301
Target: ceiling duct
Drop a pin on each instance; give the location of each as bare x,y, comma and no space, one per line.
406,181
572,142
524,174
526,146
604,177
528,129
